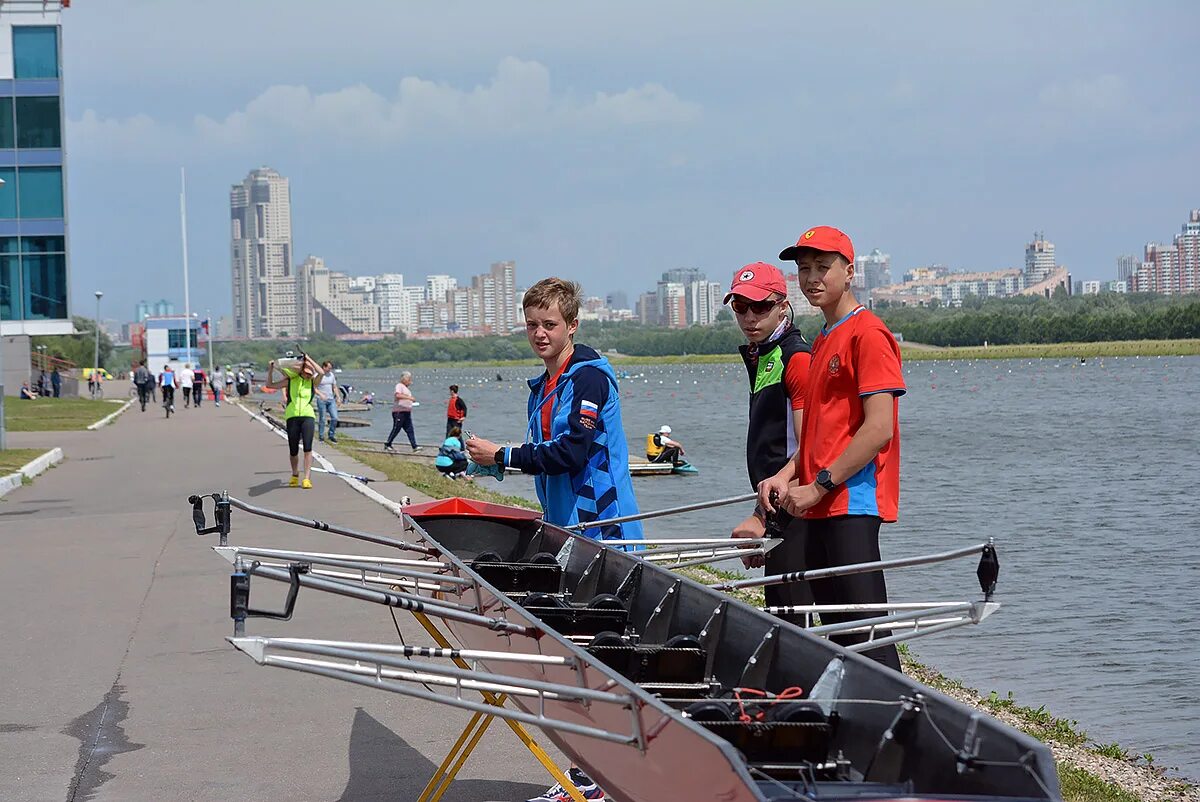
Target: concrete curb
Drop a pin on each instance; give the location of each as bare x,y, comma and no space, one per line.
374,495
30,469
107,419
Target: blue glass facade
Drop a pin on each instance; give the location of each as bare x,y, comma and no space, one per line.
33,253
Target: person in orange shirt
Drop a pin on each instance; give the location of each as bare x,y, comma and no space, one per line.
456,411
845,478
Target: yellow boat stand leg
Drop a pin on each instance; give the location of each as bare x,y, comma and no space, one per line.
440,782
474,731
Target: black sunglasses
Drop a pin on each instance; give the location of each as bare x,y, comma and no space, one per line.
758,307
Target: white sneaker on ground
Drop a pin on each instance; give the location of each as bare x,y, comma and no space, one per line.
557,793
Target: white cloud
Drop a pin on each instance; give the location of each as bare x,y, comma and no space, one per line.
517,99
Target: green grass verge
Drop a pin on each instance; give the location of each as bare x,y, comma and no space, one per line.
54,414
14,459
1080,785
425,478
1058,350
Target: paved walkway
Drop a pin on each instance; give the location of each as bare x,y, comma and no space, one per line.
117,683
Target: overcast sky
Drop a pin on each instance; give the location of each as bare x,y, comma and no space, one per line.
610,141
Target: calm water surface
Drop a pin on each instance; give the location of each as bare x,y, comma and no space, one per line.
1085,474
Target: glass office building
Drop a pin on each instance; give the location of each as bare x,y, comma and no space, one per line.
33,214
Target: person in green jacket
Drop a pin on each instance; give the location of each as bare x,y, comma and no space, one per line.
300,386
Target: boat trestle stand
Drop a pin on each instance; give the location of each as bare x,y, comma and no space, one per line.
430,589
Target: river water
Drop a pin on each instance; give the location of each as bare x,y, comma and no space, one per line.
1085,474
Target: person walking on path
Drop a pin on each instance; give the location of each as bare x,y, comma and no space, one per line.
229,379
456,411
300,416
216,382
327,405
575,445
187,377
198,384
56,381
848,463
143,381
167,380
402,413
777,359
243,385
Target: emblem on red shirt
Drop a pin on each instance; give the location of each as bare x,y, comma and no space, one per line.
835,365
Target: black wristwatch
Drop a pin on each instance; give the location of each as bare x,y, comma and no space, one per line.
825,479
499,457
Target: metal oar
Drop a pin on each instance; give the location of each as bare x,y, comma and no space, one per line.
844,570
641,516
344,475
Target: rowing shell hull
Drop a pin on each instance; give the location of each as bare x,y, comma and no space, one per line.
678,758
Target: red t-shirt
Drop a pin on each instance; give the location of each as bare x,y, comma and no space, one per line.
854,358
548,406
795,378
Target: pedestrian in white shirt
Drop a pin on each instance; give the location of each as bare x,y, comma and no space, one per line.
402,413
327,404
187,377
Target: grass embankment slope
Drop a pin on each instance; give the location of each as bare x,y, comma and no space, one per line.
54,414
1089,772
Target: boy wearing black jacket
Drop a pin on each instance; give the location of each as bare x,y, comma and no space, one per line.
777,360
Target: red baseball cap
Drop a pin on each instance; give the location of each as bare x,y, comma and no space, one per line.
757,282
821,238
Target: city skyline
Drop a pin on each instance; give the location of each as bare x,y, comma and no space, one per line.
624,143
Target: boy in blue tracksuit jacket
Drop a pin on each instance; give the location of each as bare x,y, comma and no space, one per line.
575,443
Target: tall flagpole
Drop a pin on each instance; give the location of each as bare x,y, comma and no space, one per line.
187,303
208,342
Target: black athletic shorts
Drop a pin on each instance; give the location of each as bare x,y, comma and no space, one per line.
846,540
299,429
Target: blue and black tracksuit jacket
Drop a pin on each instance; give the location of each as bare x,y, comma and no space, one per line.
582,470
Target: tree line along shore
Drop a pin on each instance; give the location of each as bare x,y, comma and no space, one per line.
1010,328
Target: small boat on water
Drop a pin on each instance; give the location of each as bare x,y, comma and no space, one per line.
659,687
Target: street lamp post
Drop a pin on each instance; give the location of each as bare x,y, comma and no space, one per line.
96,353
3,435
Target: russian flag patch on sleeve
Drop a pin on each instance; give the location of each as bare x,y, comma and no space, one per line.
588,409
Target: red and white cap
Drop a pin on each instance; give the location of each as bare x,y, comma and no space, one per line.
821,238
757,282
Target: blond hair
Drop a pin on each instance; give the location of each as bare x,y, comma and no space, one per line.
551,292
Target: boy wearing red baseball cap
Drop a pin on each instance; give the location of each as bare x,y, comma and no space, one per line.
848,465
777,359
